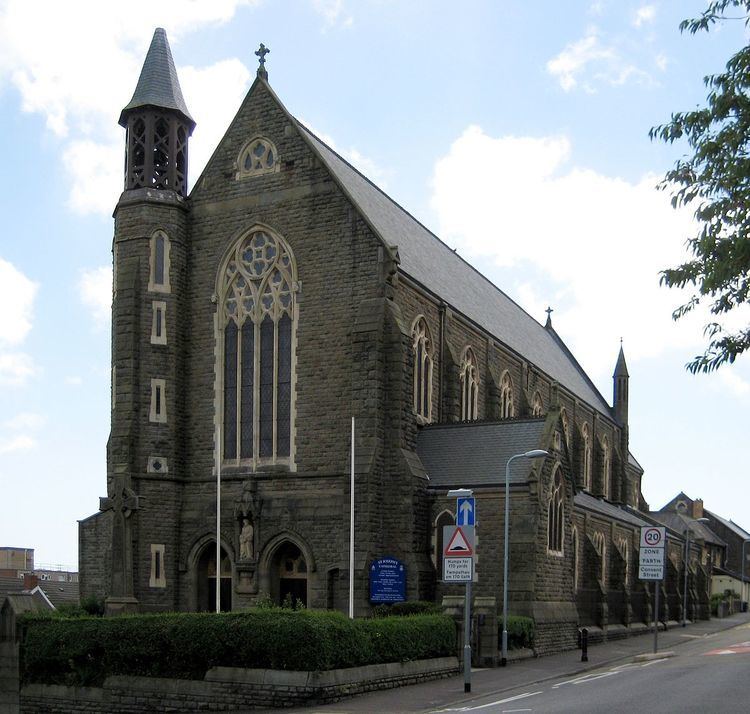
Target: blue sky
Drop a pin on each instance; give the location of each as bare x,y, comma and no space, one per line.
517,131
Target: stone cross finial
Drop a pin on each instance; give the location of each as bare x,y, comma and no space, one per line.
261,53
549,312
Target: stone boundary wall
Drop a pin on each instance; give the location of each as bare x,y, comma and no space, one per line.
230,689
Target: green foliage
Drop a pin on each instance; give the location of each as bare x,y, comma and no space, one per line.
715,182
90,605
520,631
411,607
83,651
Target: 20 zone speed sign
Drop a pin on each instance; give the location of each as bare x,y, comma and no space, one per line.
652,537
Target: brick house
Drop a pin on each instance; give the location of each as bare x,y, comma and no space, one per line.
255,316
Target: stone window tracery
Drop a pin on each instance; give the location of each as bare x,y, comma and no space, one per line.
258,156
556,515
506,397
257,321
469,378
422,349
565,426
600,546
624,547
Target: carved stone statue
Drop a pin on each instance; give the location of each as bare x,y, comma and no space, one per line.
246,540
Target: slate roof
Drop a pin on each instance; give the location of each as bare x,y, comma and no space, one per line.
10,585
605,508
426,259
679,522
633,462
475,453
60,593
158,85
731,525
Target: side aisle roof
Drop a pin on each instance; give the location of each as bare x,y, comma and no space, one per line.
426,259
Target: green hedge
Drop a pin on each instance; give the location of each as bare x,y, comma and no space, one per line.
84,651
520,631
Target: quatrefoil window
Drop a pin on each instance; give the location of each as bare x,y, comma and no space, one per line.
258,156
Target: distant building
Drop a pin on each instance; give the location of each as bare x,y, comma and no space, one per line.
18,574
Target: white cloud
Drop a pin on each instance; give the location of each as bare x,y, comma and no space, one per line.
661,61
588,62
644,15
734,382
590,245
73,380
78,78
95,291
333,12
17,294
15,368
22,442
24,420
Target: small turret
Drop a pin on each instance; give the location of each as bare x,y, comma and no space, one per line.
620,394
158,124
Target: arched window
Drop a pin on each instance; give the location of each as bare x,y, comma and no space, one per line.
258,156
574,545
586,437
536,405
257,321
422,346
606,470
158,277
506,396
555,515
445,518
600,546
624,547
469,385
565,426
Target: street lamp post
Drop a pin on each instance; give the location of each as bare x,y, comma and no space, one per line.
533,454
687,561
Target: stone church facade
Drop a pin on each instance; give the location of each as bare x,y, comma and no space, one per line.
255,316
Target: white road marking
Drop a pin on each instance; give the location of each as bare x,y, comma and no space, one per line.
586,678
510,711
499,701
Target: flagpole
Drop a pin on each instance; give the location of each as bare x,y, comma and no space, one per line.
218,515
351,530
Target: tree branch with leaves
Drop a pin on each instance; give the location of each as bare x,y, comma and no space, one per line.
715,181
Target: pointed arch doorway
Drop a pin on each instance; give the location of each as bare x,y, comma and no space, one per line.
207,579
289,575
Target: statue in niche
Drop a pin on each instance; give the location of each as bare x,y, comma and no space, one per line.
246,540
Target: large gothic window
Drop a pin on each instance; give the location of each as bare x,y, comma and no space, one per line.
257,320
555,515
469,385
506,397
422,346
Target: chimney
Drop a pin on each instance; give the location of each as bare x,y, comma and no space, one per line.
30,581
698,508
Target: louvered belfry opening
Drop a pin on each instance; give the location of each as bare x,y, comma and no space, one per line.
157,152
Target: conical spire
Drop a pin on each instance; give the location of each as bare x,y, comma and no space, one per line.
158,85
621,369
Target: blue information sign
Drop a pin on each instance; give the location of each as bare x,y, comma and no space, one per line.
466,511
387,580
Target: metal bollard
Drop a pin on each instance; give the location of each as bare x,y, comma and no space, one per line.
584,645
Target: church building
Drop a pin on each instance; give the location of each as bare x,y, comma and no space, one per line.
254,315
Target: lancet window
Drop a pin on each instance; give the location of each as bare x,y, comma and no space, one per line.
536,405
469,385
556,515
586,438
506,397
600,546
257,320
422,347
574,542
606,470
158,280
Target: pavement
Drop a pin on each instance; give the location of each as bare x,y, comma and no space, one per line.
443,693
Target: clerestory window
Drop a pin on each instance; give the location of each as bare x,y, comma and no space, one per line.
537,407
257,320
469,378
586,438
506,397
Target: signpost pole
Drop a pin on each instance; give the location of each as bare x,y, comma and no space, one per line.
657,587
467,638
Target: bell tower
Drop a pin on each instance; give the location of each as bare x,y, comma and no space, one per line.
158,124
144,453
